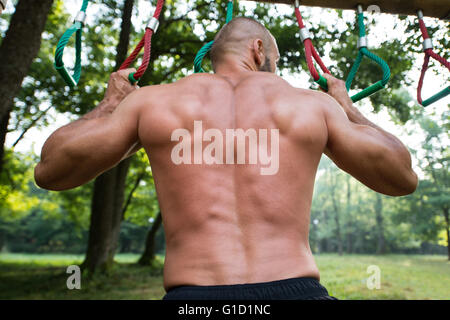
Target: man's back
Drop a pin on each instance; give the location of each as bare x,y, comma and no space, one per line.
235,223
234,156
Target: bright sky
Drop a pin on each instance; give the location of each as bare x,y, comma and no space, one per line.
35,138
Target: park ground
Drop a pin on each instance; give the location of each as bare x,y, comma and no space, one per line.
33,276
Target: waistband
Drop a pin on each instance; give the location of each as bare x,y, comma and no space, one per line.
286,289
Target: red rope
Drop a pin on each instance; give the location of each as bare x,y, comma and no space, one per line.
422,76
310,51
145,43
423,29
428,53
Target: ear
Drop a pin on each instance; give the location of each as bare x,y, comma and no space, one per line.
258,51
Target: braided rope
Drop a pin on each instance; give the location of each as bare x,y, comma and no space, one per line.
430,53
310,53
364,52
145,43
205,49
76,28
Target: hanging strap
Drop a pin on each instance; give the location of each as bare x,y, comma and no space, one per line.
145,43
76,28
3,4
364,52
204,50
310,51
428,49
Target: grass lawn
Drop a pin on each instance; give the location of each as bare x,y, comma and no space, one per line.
33,276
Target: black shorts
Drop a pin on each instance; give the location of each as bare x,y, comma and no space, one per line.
288,289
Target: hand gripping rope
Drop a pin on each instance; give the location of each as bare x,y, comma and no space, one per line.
78,23
428,49
204,50
310,51
145,42
363,51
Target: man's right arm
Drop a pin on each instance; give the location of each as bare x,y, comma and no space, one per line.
370,154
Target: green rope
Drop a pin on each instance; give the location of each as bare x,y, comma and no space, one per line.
364,52
441,94
205,49
322,82
76,28
200,55
361,26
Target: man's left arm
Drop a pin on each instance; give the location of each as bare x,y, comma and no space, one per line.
80,151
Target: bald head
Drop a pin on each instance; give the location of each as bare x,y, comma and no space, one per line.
238,36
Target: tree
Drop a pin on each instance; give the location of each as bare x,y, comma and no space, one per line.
349,225
149,253
17,51
333,177
378,208
430,205
108,195
119,195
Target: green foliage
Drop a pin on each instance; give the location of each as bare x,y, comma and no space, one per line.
15,200
411,223
408,221
428,205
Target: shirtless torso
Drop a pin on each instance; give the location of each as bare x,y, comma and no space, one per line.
229,224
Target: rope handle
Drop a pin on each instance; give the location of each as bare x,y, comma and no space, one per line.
205,49
310,51
76,28
428,50
364,52
145,43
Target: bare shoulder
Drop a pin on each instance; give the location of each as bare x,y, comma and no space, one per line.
300,99
173,101
323,102
186,85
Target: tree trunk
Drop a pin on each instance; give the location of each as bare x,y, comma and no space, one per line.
149,252
325,242
109,187
447,224
381,245
4,128
106,216
338,227
17,51
336,213
349,218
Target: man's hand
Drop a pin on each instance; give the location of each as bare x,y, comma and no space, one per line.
337,89
118,88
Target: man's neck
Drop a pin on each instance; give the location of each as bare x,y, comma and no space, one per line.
232,66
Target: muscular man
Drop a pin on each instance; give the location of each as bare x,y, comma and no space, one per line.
231,232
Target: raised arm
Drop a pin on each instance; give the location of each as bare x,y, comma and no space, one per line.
80,151
373,156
